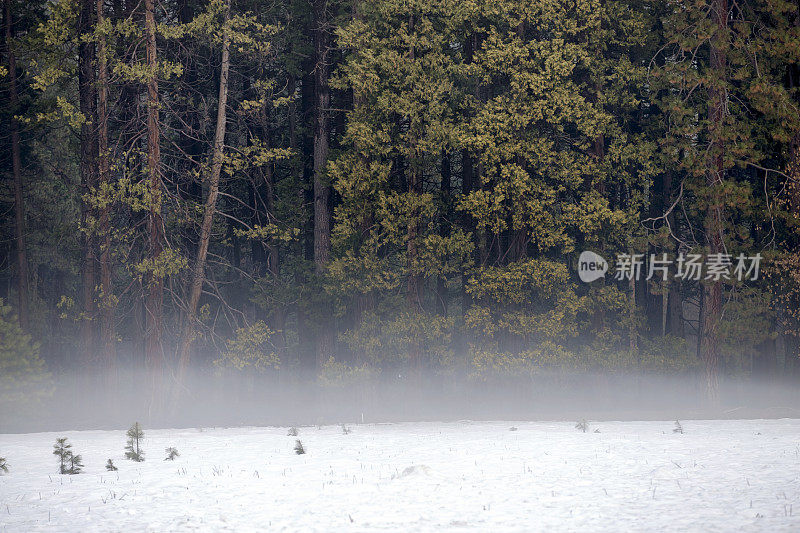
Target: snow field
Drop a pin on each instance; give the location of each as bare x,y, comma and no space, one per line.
732,475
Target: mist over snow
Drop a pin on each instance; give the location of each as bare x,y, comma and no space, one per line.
331,265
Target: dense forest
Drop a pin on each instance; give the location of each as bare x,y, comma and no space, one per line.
333,190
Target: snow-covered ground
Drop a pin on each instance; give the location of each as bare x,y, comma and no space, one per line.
718,475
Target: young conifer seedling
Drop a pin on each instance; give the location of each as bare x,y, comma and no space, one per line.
678,428
172,453
133,449
63,450
582,425
3,465
298,447
75,464
110,466
293,432
68,463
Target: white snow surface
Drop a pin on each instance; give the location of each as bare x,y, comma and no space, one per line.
721,475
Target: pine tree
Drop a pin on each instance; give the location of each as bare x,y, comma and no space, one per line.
298,447
75,464
110,466
551,139
22,371
133,449
172,453
68,463
62,450
3,465
721,88
389,177
371,158
10,32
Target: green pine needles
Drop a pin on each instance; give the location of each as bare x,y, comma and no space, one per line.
68,462
133,449
172,453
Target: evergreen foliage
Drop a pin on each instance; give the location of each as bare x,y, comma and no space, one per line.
404,187
68,462
298,447
110,466
172,453
22,371
133,450
75,464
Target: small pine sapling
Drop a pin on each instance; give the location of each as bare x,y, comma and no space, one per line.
582,425
298,447
75,464
3,465
133,450
63,450
345,430
172,453
293,432
110,466
678,428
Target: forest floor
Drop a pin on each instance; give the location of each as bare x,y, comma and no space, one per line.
520,476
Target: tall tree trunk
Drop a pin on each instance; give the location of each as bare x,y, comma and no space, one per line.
471,178
633,336
16,169
467,178
444,230
189,187
715,175
107,333
198,272
414,179
278,318
793,170
298,175
87,90
414,282
322,215
154,351
364,301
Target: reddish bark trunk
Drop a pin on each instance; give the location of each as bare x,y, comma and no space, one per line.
322,215
88,168
712,293
107,330
198,273
154,353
